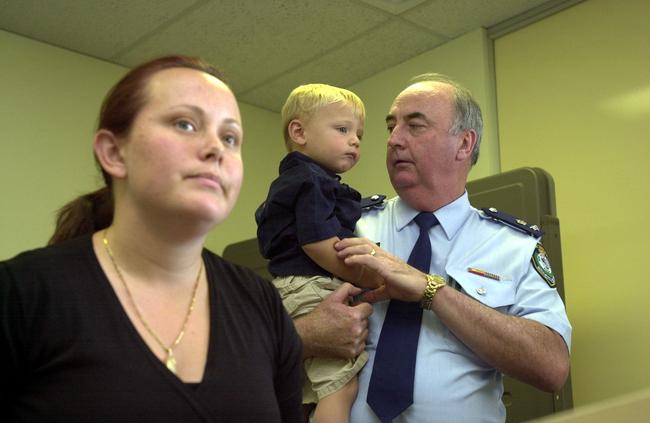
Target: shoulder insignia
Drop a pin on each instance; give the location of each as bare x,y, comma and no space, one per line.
513,222
542,264
373,202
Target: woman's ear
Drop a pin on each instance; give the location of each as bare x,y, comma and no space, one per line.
466,145
109,153
296,131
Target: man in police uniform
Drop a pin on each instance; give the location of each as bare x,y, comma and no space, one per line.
489,297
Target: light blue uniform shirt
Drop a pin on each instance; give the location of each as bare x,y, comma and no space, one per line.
451,383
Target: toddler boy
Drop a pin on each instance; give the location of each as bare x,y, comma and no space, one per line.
307,210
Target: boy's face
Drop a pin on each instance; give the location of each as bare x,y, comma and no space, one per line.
332,137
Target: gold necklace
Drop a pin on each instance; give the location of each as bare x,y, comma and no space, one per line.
170,360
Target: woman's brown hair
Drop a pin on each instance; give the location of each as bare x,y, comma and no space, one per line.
94,211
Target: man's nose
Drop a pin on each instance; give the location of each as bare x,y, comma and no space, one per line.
396,137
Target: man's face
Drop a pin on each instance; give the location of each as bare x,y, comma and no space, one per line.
421,152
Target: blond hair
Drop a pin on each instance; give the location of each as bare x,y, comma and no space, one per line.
305,100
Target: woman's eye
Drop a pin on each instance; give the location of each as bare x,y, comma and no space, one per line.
185,125
230,140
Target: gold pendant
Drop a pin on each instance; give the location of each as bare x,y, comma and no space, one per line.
171,361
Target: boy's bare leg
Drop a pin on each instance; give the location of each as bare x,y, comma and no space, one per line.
335,408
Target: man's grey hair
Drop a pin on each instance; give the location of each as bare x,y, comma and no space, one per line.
468,112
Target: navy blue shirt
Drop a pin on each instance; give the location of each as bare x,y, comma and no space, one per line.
306,203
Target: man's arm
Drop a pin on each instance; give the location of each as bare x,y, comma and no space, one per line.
333,328
519,347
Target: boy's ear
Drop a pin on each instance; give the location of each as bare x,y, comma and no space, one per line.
109,153
296,131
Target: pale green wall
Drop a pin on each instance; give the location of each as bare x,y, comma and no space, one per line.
50,102
574,98
48,111
464,59
263,150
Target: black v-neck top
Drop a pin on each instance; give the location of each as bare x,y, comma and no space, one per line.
69,353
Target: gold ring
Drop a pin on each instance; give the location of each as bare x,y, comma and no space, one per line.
372,252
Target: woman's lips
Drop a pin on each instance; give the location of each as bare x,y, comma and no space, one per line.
208,179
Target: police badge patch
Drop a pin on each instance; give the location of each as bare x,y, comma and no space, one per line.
543,265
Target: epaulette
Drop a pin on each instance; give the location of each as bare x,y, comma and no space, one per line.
513,222
373,202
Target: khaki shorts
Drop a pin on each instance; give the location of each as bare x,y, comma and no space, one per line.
324,376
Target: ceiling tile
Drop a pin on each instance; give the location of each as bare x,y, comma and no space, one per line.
394,7
453,18
265,47
253,41
377,50
96,28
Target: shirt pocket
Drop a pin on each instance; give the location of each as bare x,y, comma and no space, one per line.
496,294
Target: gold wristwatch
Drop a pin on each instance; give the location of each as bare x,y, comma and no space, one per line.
434,283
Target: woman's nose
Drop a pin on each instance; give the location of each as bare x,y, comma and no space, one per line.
213,148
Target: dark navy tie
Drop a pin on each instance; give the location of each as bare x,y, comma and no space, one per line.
390,391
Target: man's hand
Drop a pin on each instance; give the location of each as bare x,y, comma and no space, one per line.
401,281
521,348
335,329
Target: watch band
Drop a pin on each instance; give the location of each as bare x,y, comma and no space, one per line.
434,283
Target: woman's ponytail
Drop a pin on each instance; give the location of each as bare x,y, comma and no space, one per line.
84,215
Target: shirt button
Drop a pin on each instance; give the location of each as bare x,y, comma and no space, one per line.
481,291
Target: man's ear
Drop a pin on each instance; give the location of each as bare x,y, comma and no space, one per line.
109,153
296,131
466,145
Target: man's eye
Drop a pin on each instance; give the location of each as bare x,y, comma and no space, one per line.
390,128
415,126
185,125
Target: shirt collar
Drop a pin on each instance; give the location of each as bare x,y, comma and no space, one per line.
451,217
295,157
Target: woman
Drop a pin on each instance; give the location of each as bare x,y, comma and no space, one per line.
127,317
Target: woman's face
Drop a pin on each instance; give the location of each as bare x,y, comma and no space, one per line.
183,152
